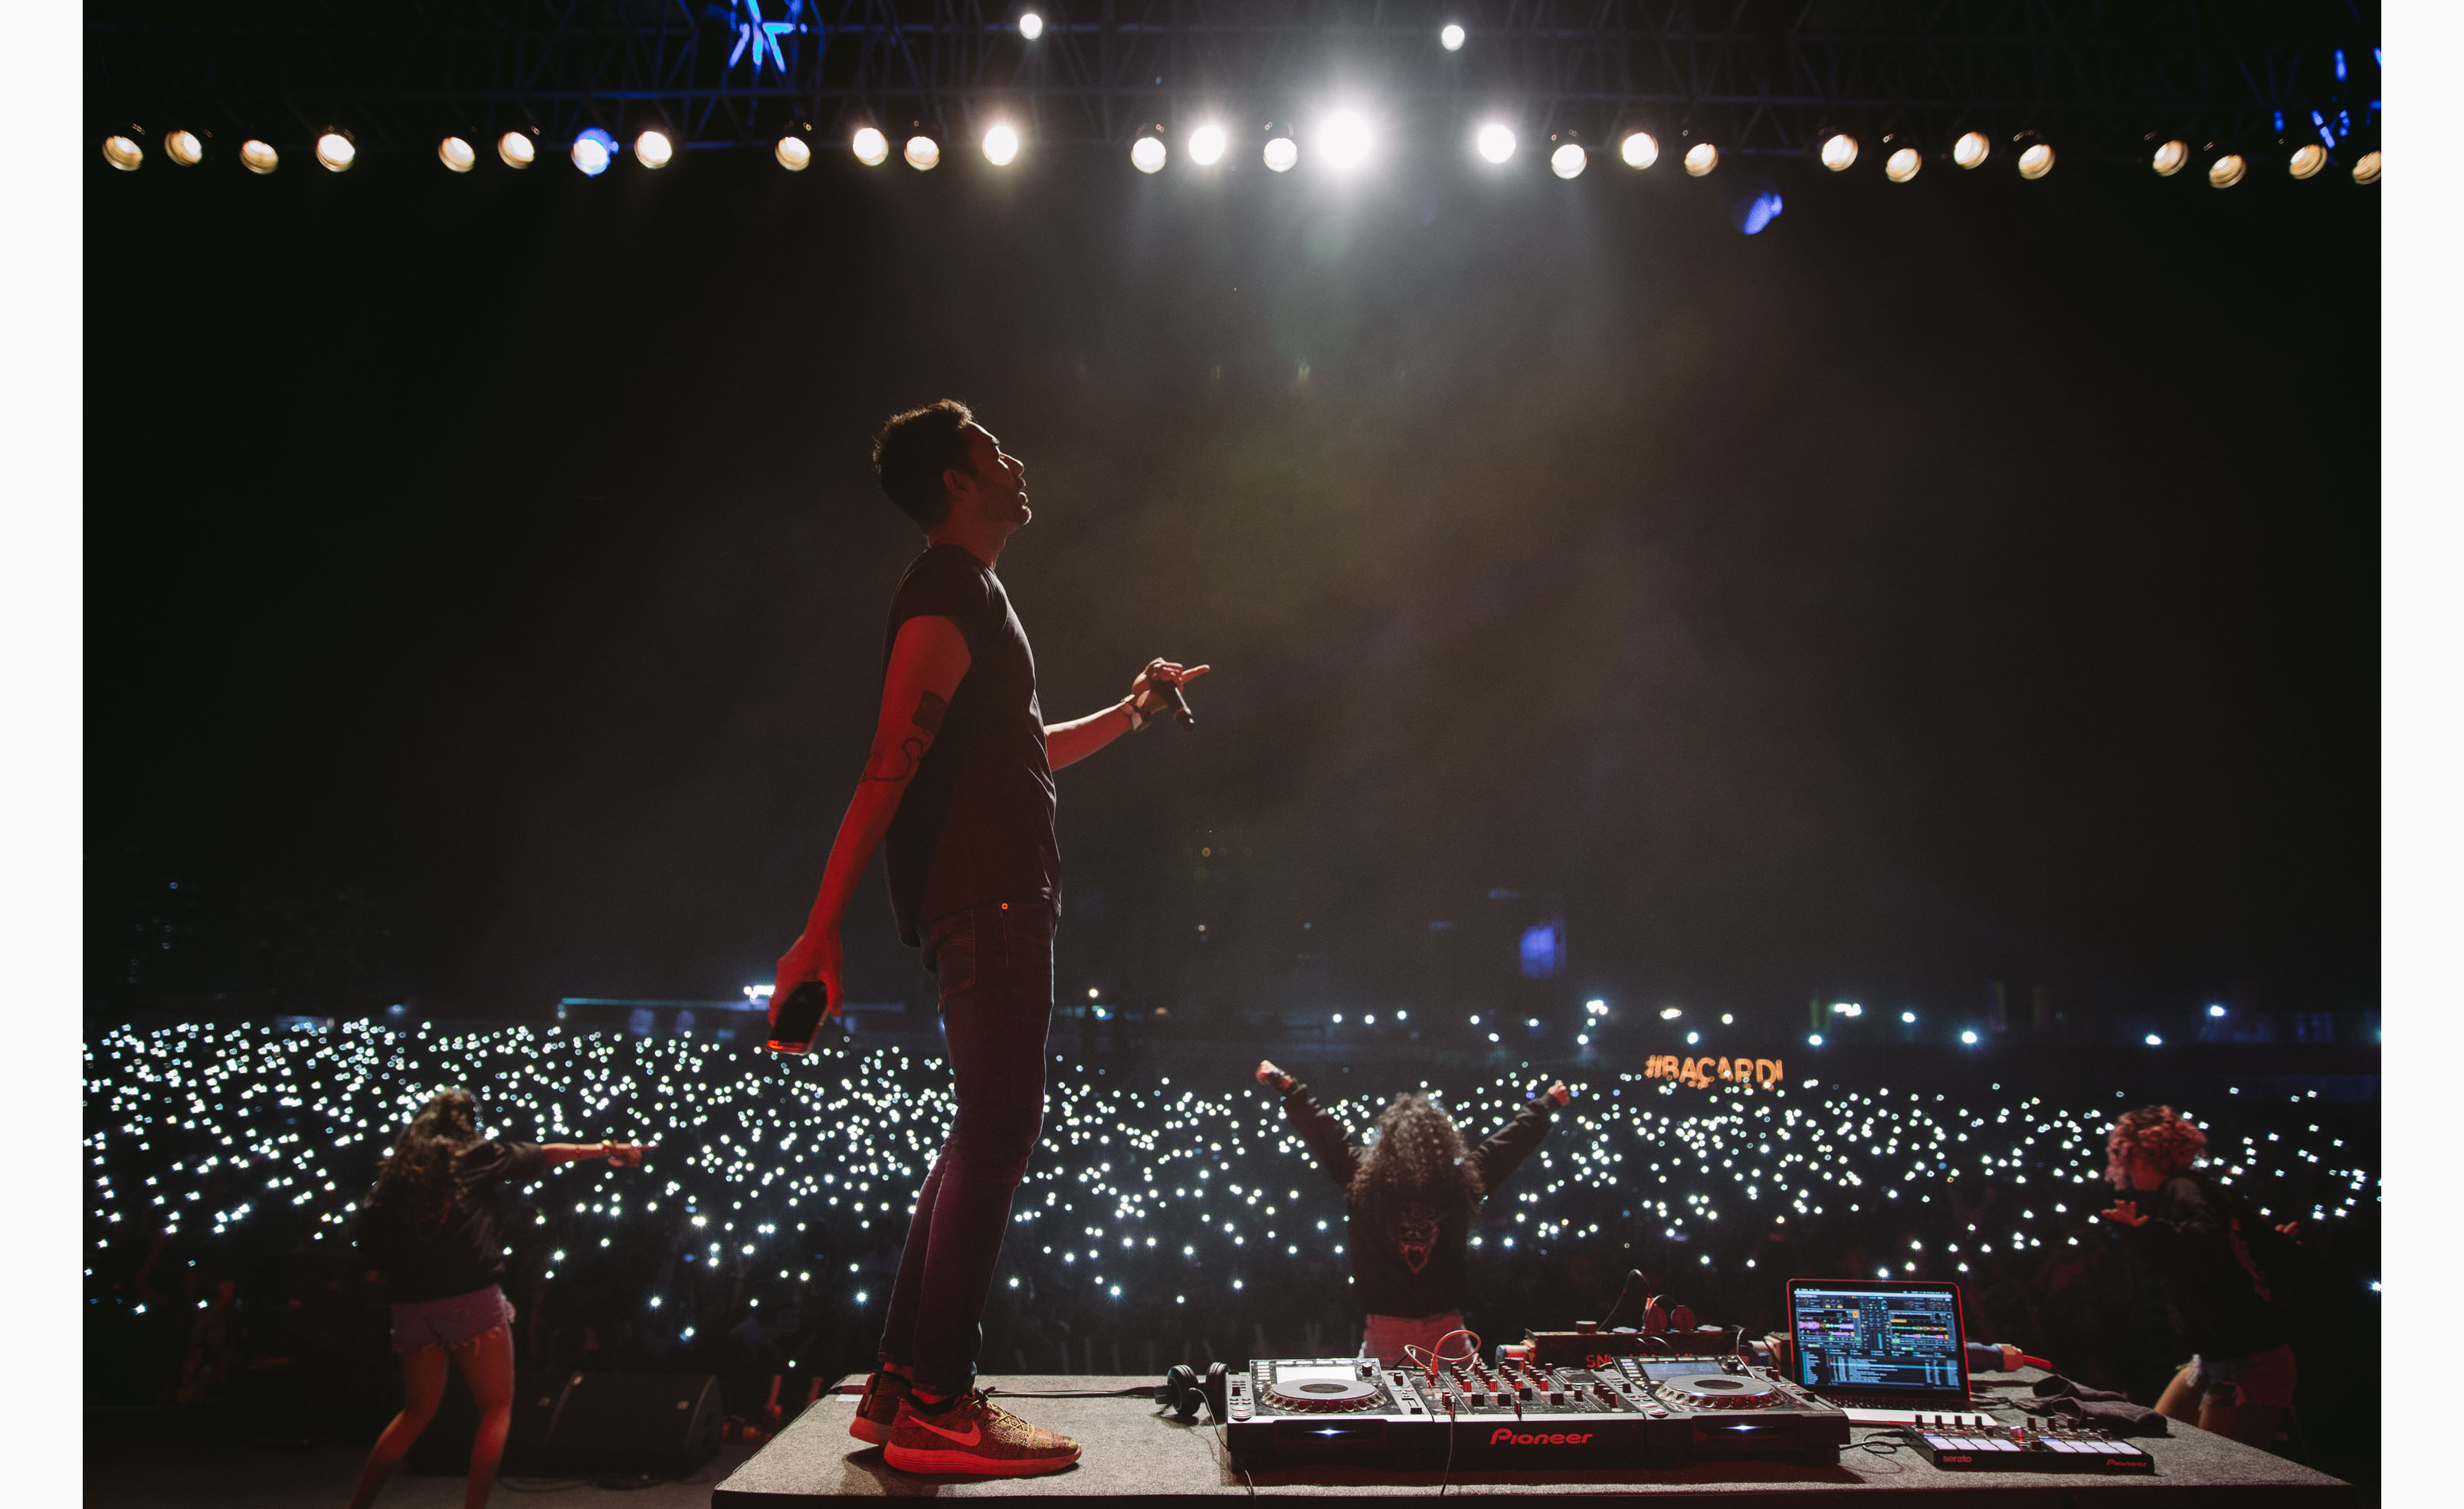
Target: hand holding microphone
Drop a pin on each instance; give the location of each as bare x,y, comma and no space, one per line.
1160,686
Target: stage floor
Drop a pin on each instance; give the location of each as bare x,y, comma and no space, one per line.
1134,1450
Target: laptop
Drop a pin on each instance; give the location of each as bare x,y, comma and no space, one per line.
1891,1349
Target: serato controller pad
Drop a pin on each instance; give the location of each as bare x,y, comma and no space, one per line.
2017,1449
1662,1412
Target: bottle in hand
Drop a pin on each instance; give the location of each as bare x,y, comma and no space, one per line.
800,1018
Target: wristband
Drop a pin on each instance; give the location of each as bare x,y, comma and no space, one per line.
1131,707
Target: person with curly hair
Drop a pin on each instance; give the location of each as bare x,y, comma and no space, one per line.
430,1227
2198,1238
1409,1197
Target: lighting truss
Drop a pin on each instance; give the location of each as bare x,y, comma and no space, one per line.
1758,77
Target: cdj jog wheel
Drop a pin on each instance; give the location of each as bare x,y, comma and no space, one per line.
1724,1391
1314,1392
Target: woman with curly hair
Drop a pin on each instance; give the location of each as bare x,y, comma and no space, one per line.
2197,1238
431,1228
1409,1197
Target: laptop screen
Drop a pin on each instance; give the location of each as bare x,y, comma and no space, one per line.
1878,1338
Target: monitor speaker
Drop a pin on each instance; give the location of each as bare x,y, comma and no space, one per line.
659,1425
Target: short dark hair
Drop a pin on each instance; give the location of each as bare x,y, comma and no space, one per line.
913,451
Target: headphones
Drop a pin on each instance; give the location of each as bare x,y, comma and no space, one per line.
1185,1392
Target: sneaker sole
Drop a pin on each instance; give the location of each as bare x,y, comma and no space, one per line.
909,1459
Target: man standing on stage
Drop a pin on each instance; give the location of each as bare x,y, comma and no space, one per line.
959,781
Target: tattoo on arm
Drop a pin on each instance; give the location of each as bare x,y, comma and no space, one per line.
901,765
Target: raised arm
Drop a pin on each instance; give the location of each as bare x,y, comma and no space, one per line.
927,662
1325,1136
1067,744
1509,1145
619,1155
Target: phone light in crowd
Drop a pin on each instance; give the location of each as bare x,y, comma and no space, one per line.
1495,141
1846,1009
1839,152
457,155
334,152
794,153
923,153
1814,1039
1030,26
184,149
2307,160
2169,158
1001,144
1640,149
517,148
2154,1041
1968,1036
2366,171
1147,154
1597,1008
1701,158
1568,161
1450,36
1728,1019
123,153
258,157
1345,141
652,149
2036,160
1903,165
1692,1038
1282,152
1971,150
1670,1013
871,147
1908,1017
1206,144
759,993
2216,1010
2227,170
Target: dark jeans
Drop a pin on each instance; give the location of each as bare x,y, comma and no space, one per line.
994,965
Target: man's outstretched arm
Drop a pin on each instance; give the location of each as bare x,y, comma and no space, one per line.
927,662
1067,744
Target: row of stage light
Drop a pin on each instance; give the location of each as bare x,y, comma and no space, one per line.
1344,141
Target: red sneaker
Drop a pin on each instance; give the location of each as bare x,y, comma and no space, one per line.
975,1435
883,1393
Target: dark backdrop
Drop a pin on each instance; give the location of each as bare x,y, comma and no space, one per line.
1960,582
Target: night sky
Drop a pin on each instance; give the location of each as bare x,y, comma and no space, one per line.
1968,581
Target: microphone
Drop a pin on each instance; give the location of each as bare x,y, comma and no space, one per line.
1180,703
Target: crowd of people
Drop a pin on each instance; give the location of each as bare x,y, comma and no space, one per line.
1161,1220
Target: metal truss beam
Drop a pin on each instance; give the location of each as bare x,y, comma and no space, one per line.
1754,75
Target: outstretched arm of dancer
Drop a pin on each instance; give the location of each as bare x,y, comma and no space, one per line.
1509,1145
619,1155
1326,1137
927,662
1067,744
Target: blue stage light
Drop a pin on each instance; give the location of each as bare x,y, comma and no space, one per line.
1765,209
592,151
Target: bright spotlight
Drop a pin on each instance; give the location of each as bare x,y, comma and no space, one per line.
2307,160
2036,160
123,153
1281,154
2366,171
1839,152
457,155
2169,158
592,151
1903,165
2227,170
871,147
1345,138
1147,154
1450,36
1206,144
184,149
334,152
258,157
1568,161
1971,150
1640,149
1701,158
1030,26
1496,142
1001,144
923,153
517,148
794,153
653,149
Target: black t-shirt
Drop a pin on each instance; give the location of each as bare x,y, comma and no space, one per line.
976,824
2197,1241
1410,1262
433,1244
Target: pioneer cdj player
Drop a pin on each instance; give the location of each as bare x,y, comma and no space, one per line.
1632,1411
